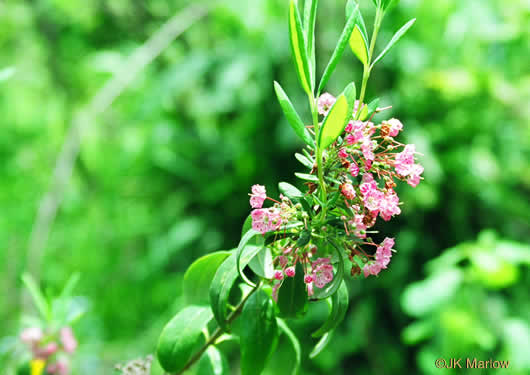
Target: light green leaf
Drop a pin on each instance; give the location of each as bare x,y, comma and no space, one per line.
298,48
307,177
397,36
338,308
339,49
213,362
310,11
368,110
259,333
250,250
181,337
359,37
38,298
304,160
262,265
199,276
292,296
295,343
321,344
292,116
290,191
338,117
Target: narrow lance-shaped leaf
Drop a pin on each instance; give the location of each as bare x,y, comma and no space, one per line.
181,337
310,11
38,298
321,344
295,343
397,36
338,117
339,49
298,48
292,116
338,307
259,333
389,3
359,37
199,276
307,177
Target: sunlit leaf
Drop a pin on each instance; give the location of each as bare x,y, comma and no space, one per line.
359,38
307,177
290,191
368,110
181,337
310,11
298,48
38,298
338,117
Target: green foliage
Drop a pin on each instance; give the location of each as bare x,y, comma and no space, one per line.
338,117
292,296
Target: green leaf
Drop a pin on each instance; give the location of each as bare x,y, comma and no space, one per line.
307,177
368,110
38,298
290,191
292,116
339,49
338,117
339,305
333,286
181,337
251,251
223,282
321,344
387,4
397,36
259,333
359,37
310,11
298,48
199,276
294,342
213,362
262,265
292,296
304,160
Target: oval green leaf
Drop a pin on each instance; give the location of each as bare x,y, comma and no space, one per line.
181,337
199,276
338,117
259,333
213,362
397,36
292,296
338,307
292,116
262,265
306,176
290,191
298,48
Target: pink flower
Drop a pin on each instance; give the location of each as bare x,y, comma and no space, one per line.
290,271
389,205
68,340
31,335
322,272
404,160
384,252
308,279
347,190
343,154
360,226
414,175
395,127
367,147
278,275
354,169
266,219
372,199
258,196
371,269
325,102
349,127
60,367
47,351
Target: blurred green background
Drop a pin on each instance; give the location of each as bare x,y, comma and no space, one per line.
163,175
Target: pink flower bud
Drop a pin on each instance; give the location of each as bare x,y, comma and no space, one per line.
278,275
290,272
308,279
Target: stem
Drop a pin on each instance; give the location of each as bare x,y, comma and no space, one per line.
218,332
368,66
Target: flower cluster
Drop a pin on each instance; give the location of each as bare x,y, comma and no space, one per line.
51,350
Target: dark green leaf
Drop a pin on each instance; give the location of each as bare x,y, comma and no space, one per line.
199,276
292,296
338,117
397,36
181,337
290,191
339,306
321,344
213,362
339,49
223,282
294,342
292,116
298,48
259,333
